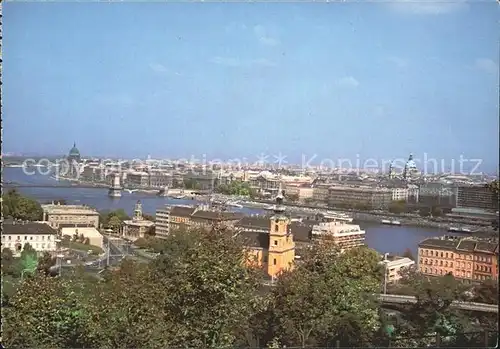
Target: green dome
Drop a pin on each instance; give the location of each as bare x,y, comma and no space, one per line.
74,151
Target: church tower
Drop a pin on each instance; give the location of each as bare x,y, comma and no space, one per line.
138,211
391,171
281,255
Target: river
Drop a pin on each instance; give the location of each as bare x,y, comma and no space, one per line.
383,238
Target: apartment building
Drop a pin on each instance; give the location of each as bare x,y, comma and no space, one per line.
371,198
16,234
346,236
301,191
466,258
321,193
150,179
399,194
477,196
162,222
174,218
56,214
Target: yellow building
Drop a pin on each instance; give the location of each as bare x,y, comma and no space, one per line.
469,259
274,249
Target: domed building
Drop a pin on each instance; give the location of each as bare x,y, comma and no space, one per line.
74,154
410,171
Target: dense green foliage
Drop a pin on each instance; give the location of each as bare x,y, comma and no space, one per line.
236,188
17,206
191,184
199,293
113,219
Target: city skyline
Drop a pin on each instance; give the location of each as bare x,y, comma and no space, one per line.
337,80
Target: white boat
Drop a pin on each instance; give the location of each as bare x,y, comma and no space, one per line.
234,204
385,221
453,229
395,222
338,216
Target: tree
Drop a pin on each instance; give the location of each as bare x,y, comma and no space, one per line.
20,207
204,273
45,313
336,290
115,223
397,207
408,254
436,211
148,217
9,266
433,312
105,216
46,263
125,314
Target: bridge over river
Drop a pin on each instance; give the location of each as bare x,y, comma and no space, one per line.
76,186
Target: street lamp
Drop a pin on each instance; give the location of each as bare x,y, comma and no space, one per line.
385,272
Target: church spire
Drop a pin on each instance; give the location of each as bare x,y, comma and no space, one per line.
278,207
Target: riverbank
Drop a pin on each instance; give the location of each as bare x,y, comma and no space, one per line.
443,223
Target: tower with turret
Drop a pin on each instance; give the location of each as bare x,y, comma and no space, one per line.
138,211
281,253
115,190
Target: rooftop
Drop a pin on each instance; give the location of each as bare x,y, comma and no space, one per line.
27,228
69,209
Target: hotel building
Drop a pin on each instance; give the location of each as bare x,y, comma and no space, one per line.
346,236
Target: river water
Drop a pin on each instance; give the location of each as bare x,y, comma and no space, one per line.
383,238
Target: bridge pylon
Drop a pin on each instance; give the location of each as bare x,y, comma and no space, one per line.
115,190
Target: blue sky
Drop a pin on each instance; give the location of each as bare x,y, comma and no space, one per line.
377,80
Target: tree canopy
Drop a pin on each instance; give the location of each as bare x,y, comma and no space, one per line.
20,207
200,292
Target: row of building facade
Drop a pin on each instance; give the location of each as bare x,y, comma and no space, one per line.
469,259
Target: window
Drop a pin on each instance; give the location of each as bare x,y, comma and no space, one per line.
275,242
31,238
425,270
441,263
25,237
432,253
442,254
446,264
446,254
276,227
451,264
48,237
274,261
451,255
9,237
43,237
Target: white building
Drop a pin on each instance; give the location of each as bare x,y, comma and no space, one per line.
162,222
16,234
92,234
400,194
345,235
395,266
70,214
